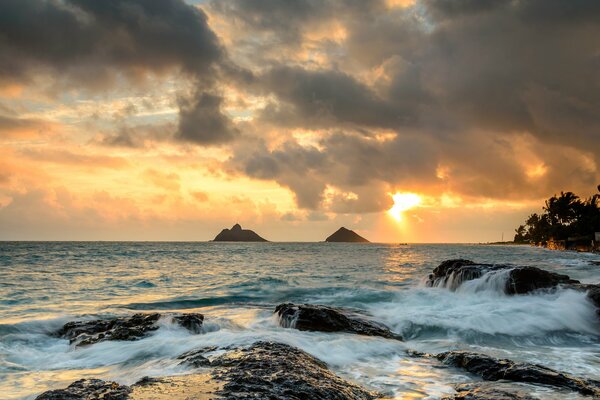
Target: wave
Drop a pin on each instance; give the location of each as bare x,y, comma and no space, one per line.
180,304
465,311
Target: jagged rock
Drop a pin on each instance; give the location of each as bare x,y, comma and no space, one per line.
309,317
264,370
520,280
276,371
487,391
191,321
493,369
346,235
88,389
196,358
237,234
134,327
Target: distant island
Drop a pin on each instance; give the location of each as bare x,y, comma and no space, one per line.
237,234
346,235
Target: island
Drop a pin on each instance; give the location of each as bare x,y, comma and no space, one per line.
346,235
237,234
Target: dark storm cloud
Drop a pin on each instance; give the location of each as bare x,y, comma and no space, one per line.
461,81
326,98
201,120
82,36
287,20
87,43
296,167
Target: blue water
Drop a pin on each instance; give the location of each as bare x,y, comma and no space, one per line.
43,285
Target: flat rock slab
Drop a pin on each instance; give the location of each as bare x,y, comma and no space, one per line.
133,327
188,387
310,317
488,391
493,369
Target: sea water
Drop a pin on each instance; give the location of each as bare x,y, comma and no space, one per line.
237,286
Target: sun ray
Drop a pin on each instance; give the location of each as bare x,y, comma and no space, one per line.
402,203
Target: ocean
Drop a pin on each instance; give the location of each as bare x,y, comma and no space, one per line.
237,286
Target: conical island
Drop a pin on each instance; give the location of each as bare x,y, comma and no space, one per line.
237,234
346,235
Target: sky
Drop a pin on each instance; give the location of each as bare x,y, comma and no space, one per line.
405,120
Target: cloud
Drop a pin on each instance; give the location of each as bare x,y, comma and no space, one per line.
202,121
78,44
484,90
81,39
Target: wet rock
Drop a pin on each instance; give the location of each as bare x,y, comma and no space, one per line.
276,371
88,389
493,369
134,327
519,280
196,358
488,391
191,321
264,370
309,317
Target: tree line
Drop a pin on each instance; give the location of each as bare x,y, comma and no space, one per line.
565,216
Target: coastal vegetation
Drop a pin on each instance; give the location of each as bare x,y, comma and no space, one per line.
564,217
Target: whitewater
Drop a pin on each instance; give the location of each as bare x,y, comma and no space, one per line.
237,286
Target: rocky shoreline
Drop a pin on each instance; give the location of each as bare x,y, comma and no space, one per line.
273,370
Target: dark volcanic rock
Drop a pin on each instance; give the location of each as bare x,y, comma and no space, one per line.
196,358
493,369
264,370
88,389
346,235
135,327
519,280
237,234
309,317
191,321
276,371
488,391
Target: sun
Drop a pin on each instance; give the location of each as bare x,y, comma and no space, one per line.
403,202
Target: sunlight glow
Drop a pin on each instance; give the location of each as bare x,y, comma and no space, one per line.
403,202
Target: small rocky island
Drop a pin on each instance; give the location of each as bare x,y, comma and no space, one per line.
237,234
346,235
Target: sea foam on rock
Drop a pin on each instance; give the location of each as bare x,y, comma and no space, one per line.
515,279
310,317
493,369
263,370
133,327
509,279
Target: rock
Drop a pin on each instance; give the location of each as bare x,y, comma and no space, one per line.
196,358
191,321
264,370
487,391
237,234
308,317
134,327
88,389
518,280
276,371
346,235
493,369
